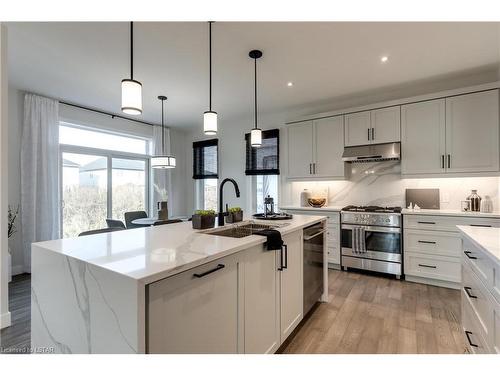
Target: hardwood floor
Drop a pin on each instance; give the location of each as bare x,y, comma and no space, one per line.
374,314
17,337
366,314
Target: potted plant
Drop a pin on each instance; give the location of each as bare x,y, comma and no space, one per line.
11,230
234,215
203,219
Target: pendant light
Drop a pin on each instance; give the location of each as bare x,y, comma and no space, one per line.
131,89
210,117
161,160
256,133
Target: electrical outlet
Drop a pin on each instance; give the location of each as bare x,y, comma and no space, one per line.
445,197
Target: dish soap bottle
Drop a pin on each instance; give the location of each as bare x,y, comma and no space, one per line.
304,196
475,201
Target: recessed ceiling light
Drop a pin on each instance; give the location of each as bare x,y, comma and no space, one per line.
384,59
289,84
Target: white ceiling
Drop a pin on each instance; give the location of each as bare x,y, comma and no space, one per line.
85,62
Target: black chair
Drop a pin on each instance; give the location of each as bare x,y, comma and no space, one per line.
163,222
112,223
97,231
132,215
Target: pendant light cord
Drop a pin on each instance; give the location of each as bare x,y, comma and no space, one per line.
255,81
131,50
162,130
210,64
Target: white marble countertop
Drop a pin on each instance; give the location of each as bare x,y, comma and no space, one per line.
449,212
322,209
486,238
153,253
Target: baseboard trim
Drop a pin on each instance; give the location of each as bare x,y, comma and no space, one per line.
441,283
17,270
5,320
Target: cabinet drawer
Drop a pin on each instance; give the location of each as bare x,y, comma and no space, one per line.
433,242
432,266
479,263
333,219
495,290
333,255
445,223
495,342
473,338
476,294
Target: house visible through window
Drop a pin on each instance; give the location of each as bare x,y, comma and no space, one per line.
262,163
205,172
103,174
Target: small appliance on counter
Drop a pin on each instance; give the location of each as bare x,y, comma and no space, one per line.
269,213
304,198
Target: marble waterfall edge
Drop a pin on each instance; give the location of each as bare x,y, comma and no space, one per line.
77,307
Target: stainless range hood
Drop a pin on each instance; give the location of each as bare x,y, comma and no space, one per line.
371,153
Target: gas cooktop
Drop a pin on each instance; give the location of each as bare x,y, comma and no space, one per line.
372,209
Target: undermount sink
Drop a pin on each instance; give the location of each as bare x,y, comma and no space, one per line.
242,230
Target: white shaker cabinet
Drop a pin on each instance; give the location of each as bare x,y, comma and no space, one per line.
357,128
315,149
262,319
372,127
329,146
291,284
423,137
472,136
197,311
300,149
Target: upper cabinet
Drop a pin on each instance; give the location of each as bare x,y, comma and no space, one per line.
472,132
423,137
370,127
315,148
452,135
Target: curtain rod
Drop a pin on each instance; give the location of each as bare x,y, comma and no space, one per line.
113,115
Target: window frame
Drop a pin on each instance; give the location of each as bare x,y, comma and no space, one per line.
109,155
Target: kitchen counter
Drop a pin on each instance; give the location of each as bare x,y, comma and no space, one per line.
89,294
487,239
322,209
449,212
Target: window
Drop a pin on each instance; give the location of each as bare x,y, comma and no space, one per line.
205,172
101,177
262,163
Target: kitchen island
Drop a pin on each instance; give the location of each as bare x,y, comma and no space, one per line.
168,289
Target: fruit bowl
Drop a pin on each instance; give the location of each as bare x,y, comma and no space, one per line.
316,202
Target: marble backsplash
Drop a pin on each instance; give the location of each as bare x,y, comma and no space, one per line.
381,184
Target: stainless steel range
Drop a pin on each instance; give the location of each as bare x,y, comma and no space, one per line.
371,239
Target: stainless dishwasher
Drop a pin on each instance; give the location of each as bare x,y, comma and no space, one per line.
314,240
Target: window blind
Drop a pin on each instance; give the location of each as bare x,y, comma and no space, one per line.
205,159
263,160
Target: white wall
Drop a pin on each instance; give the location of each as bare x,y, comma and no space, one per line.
179,143
4,297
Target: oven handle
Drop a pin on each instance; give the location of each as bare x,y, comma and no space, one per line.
373,228
308,238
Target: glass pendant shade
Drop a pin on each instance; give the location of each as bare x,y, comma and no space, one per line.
210,122
163,162
131,97
256,137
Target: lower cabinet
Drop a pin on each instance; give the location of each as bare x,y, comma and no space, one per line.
248,302
197,311
433,247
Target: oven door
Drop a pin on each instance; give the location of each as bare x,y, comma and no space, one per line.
380,243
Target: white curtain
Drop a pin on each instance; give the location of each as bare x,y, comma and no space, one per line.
40,214
162,184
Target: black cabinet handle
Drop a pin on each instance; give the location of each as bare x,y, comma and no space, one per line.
368,133
426,266
480,225
431,242
219,267
467,333
426,222
467,291
449,161
281,268
468,255
286,256
373,134
442,161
